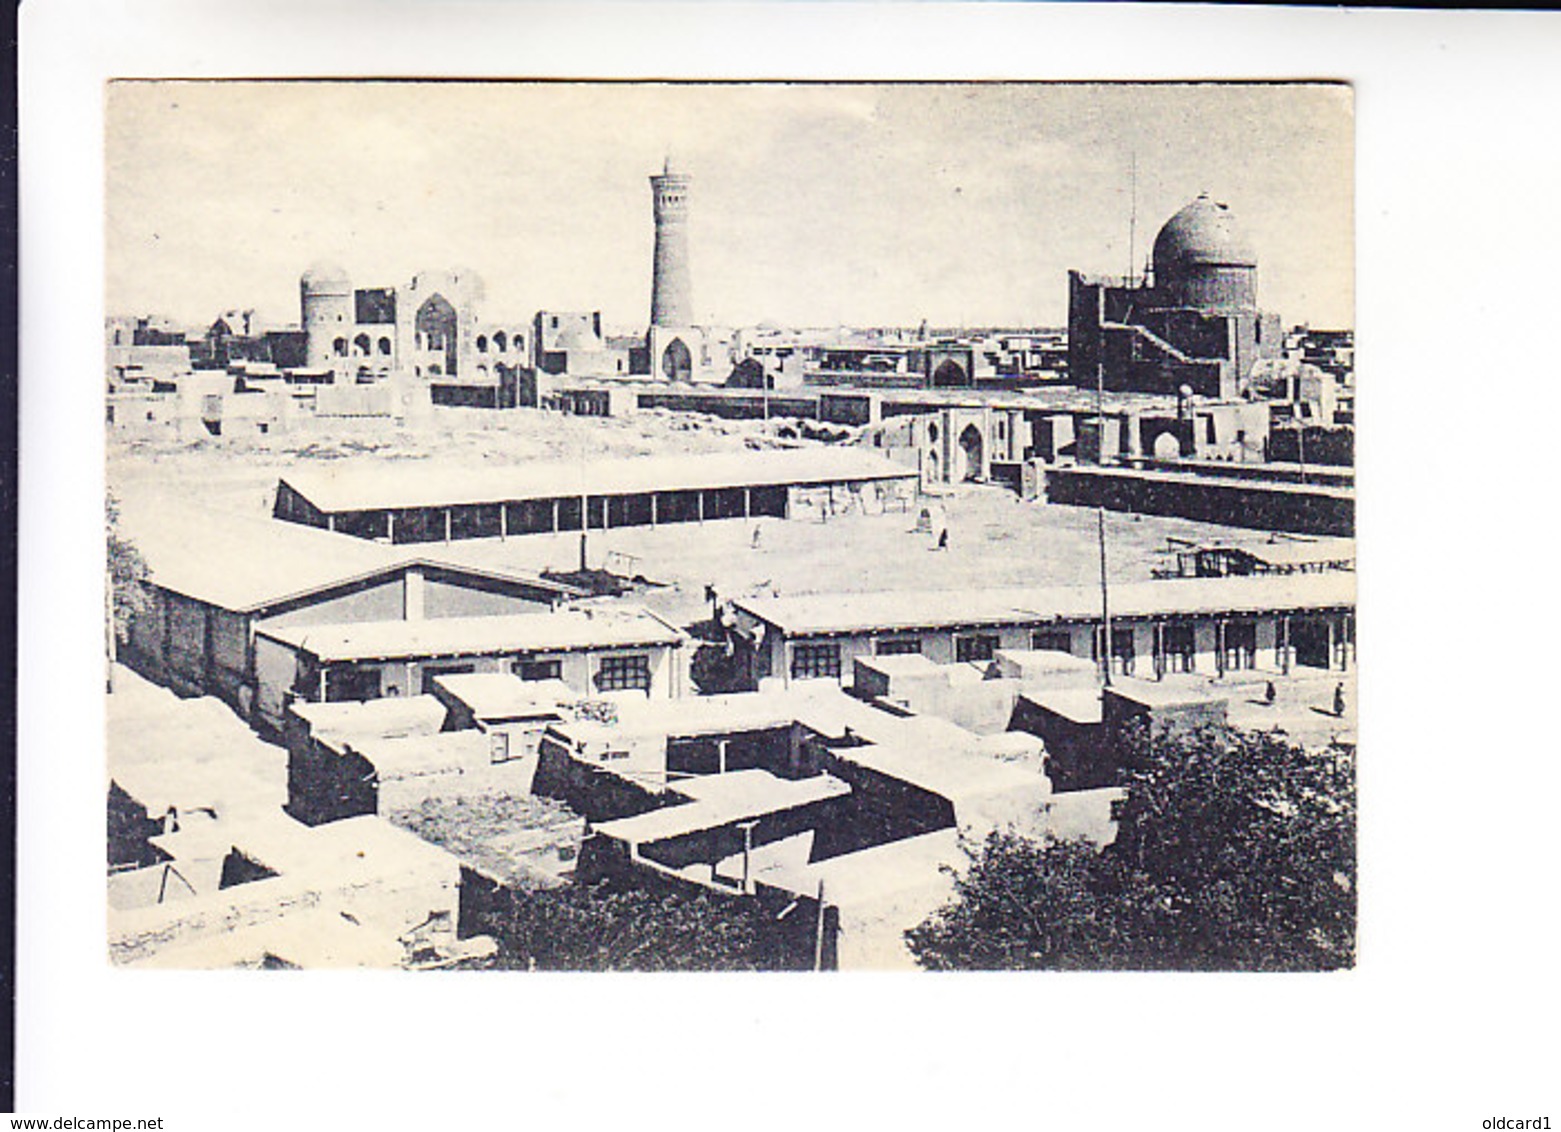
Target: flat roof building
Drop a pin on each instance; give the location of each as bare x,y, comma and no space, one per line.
214,579
1209,625
593,651
410,503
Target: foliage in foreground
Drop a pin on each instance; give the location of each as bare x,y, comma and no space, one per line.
1236,851
126,571
614,927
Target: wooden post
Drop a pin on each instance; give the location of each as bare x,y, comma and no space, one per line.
447,524
747,501
323,685
818,933
503,521
700,495
653,510
747,828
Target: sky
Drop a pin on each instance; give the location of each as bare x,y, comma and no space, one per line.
811,204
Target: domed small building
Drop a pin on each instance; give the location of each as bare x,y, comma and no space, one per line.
1193,322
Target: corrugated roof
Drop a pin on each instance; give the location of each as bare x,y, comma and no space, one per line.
244,564
561,631
932,609
364,486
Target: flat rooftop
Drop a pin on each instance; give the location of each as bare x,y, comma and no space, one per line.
386,717
720,800
245,563
419,756
946,760
503,695
1276,487
811,614
370,486
568,630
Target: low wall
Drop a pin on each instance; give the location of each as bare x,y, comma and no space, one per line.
1268,507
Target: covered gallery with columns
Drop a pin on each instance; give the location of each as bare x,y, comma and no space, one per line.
1214,627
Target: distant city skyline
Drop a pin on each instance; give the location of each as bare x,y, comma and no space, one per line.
811,205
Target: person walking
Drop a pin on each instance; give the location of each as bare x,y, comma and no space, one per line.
1338,700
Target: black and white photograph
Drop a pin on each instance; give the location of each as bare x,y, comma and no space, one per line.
871,565
731,526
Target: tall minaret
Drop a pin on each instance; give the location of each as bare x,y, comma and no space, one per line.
671,292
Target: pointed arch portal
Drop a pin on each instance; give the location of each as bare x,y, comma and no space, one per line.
971,446
436,322
676,362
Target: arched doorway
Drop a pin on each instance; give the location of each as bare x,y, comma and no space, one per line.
676,362
971,446
436,322
1167,447
950,373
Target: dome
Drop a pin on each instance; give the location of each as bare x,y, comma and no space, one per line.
1202,233
325,278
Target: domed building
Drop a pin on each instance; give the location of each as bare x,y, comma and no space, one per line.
430,329
1194,322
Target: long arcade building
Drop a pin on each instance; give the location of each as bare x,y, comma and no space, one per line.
412,504
1209,626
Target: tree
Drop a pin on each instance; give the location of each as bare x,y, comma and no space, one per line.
126,570
1236,851
615,926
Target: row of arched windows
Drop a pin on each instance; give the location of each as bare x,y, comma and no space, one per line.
362,347
500,342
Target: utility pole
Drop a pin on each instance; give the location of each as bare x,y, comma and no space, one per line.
585,505
1132,220
1100,522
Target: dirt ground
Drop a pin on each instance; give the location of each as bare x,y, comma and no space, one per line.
995,538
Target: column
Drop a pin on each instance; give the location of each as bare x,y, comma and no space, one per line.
412,595
653,510
1219,648
1332,642
447,524
391,515
1159,650
747,501
1284,645
699,494
503,521
323,685
555,516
